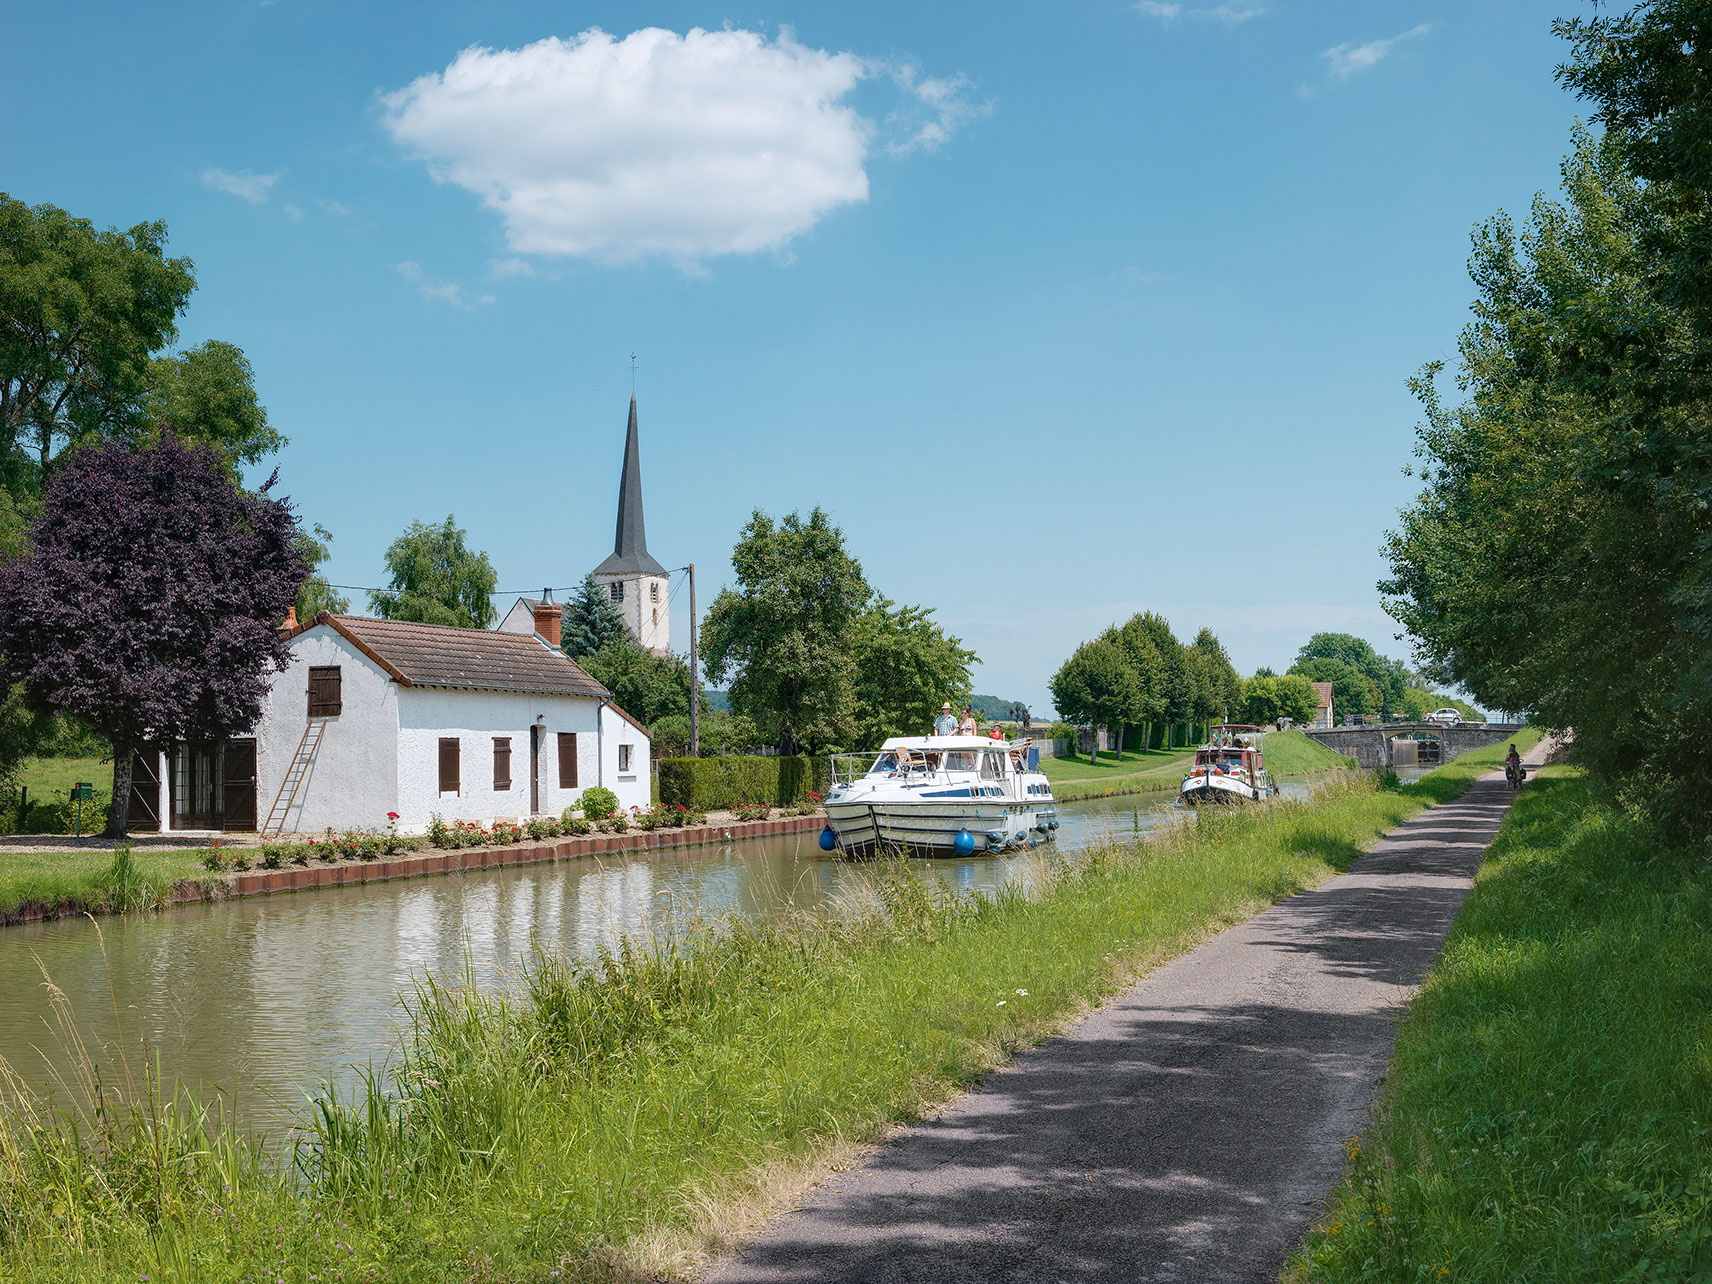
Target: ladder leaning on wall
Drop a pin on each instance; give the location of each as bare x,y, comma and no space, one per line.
286,798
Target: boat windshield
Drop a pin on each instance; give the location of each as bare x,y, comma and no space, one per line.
960,760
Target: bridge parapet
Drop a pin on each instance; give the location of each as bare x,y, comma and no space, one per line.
1372,747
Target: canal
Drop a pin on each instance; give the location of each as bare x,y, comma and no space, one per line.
266,997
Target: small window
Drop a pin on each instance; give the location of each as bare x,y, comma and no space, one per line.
501,763
654,593
449,764
656,616
624,767
992,766
325,695
616,589
567,760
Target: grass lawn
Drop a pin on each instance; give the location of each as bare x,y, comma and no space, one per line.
1290,753
613,1118
1136,772
49,781
93,880
1548,1111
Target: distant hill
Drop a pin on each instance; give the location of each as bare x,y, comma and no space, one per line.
718,701
990,708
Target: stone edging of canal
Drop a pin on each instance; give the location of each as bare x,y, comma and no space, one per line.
266,882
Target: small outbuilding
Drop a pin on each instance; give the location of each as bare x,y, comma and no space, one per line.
1323,718
376,716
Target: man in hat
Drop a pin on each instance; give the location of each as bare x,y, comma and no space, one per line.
945,724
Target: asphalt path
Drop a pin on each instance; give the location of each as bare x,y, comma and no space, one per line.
1188,1131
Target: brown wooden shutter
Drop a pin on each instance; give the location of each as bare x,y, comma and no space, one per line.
449,765
325,691
567,760
238,785
502,762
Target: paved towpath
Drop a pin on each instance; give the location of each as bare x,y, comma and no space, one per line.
1188,1131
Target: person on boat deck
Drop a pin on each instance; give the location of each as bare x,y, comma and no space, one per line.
966,724
995,732
946,723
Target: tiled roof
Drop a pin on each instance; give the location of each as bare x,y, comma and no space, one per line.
431,655
1325,690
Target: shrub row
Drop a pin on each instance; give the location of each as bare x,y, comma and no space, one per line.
718,784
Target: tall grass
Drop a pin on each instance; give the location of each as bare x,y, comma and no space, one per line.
1548,1113
621,1114
93,882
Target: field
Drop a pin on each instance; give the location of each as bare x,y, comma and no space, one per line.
617,1118
49,781
1136,772
1548,1111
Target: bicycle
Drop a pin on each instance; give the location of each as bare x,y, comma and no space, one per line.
1515,773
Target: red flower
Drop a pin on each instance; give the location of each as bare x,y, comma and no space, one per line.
392,815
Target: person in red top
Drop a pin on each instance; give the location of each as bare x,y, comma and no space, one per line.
995,733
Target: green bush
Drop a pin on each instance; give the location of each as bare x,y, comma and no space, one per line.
599,803
718,784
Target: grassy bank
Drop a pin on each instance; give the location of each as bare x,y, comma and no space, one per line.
1136,772
1290,753
1548,1111
95,881
625,1114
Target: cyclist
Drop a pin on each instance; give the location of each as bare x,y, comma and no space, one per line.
1513,768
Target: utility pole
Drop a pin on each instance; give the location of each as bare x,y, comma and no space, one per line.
695,676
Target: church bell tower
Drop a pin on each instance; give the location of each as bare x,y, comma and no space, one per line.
637,584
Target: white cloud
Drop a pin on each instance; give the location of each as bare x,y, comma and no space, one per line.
500,268
1228,13
332,207
709,143
293,212
253,188
1347,59
430,287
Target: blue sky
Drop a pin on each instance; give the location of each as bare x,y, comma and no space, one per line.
1063,312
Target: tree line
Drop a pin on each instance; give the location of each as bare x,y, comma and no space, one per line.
1558,559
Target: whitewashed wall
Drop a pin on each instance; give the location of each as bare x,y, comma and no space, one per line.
425,715
353,780
650,622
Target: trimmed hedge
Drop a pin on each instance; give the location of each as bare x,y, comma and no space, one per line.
718,784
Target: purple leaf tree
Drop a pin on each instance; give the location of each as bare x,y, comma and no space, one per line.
150,600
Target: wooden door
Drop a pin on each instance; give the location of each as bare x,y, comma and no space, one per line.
238,786
145,790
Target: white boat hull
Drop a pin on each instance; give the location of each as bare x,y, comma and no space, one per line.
863,826
1220,789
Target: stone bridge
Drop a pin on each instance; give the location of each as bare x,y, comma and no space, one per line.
1376,746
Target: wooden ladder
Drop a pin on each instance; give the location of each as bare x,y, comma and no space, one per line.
286,798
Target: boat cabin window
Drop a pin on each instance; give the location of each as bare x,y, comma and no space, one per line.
960,760
992,766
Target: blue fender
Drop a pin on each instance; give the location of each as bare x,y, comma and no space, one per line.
964,844
828,839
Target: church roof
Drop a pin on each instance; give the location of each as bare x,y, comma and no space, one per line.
630,544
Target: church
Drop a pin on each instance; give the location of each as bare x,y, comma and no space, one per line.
638,585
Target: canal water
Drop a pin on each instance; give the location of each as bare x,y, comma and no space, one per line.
266,997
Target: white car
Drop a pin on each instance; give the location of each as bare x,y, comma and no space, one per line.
1444,717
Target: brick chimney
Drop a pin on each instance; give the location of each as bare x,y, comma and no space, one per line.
547,617
290,621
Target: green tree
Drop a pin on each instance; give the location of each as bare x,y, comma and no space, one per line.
1098,685
317,594
906,666
86,317
1389,677
1217,685
648,687
1260,699
1352,690
784,634
590,621
1175,693
1296,697
437,579
1140,642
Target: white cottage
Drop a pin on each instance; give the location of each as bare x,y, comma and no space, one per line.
378,716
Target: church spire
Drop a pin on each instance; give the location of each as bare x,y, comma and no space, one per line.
630,541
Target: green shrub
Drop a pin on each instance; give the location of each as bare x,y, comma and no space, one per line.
572,825
599,804
710,784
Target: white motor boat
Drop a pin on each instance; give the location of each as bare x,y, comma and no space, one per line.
1229,768
944,794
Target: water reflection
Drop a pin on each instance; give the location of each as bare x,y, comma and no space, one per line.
263,997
